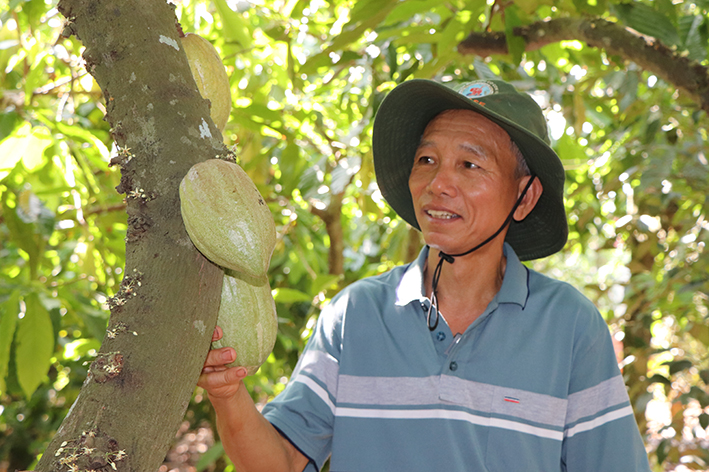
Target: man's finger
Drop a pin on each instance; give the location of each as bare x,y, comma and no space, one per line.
220,357
221,378
217,334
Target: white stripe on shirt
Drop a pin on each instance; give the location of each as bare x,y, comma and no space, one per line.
600,421
449,415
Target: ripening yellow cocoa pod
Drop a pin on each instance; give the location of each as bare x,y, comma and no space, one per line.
247,316
210,75
226,217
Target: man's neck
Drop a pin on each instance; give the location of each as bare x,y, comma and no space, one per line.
468,285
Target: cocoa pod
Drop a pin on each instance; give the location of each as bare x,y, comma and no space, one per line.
210,75
247,316
226,217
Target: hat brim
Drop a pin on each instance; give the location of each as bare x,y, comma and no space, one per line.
398,127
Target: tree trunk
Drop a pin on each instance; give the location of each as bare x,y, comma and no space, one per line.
140,384
332,216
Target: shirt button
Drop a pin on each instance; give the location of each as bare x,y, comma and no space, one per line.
453,365
441,336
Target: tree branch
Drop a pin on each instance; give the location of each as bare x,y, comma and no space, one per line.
332,216
649,53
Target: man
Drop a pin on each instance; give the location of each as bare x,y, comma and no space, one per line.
463,360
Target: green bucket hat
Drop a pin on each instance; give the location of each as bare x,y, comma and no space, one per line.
400,123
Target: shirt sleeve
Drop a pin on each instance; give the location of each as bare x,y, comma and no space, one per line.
600,431
304,412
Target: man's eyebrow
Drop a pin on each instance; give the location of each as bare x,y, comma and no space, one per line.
474,149
426,143
478,151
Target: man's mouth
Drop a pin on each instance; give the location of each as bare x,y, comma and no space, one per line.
443,215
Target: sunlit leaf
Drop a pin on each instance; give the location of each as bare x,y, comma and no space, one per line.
234,27
210,456
8,321
693,31
515,44
34,344
289,295
647,20
26,144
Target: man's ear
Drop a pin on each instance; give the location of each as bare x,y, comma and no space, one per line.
530,198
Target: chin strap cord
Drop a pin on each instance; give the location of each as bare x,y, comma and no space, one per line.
450,258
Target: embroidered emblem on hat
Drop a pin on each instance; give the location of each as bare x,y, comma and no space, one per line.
478,89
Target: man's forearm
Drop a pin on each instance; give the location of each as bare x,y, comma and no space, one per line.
250,441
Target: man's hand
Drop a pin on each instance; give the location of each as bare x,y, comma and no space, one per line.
250,441
220,381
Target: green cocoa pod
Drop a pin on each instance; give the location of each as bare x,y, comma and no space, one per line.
210,76
227,218
247,316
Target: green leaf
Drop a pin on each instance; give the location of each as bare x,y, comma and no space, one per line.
23,235
657,378
663,450
342,174
704,420
364,10
515,44
649,21
34,345
678,366
596,8
234,28
667,9
210,457
700,395
36,75
8,123
531,6
79,348
365,15
298,8
700,332
323,282
405,11
8,322
570,151
26,144
693,32
650,131
290,295
704,375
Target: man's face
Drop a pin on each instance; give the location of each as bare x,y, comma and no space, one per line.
462,181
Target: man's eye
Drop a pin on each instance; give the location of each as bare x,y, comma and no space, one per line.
470,165
424,160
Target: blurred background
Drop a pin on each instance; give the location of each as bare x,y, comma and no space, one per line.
307,77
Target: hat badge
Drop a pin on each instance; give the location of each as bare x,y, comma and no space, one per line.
478,89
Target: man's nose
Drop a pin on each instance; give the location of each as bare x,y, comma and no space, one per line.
443,182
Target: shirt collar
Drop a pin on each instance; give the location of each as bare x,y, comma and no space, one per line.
410,286
514,286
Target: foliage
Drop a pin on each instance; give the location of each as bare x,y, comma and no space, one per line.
307,77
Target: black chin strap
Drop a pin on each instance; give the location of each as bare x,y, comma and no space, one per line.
450,258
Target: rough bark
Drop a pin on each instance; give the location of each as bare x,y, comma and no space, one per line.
139,386
648,53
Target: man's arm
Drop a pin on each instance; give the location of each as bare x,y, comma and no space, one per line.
600,433
250,441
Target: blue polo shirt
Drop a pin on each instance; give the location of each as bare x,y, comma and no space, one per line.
532,385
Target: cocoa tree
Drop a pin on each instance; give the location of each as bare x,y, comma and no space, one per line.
162,318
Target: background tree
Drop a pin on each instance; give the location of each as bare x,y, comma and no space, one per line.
307,78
